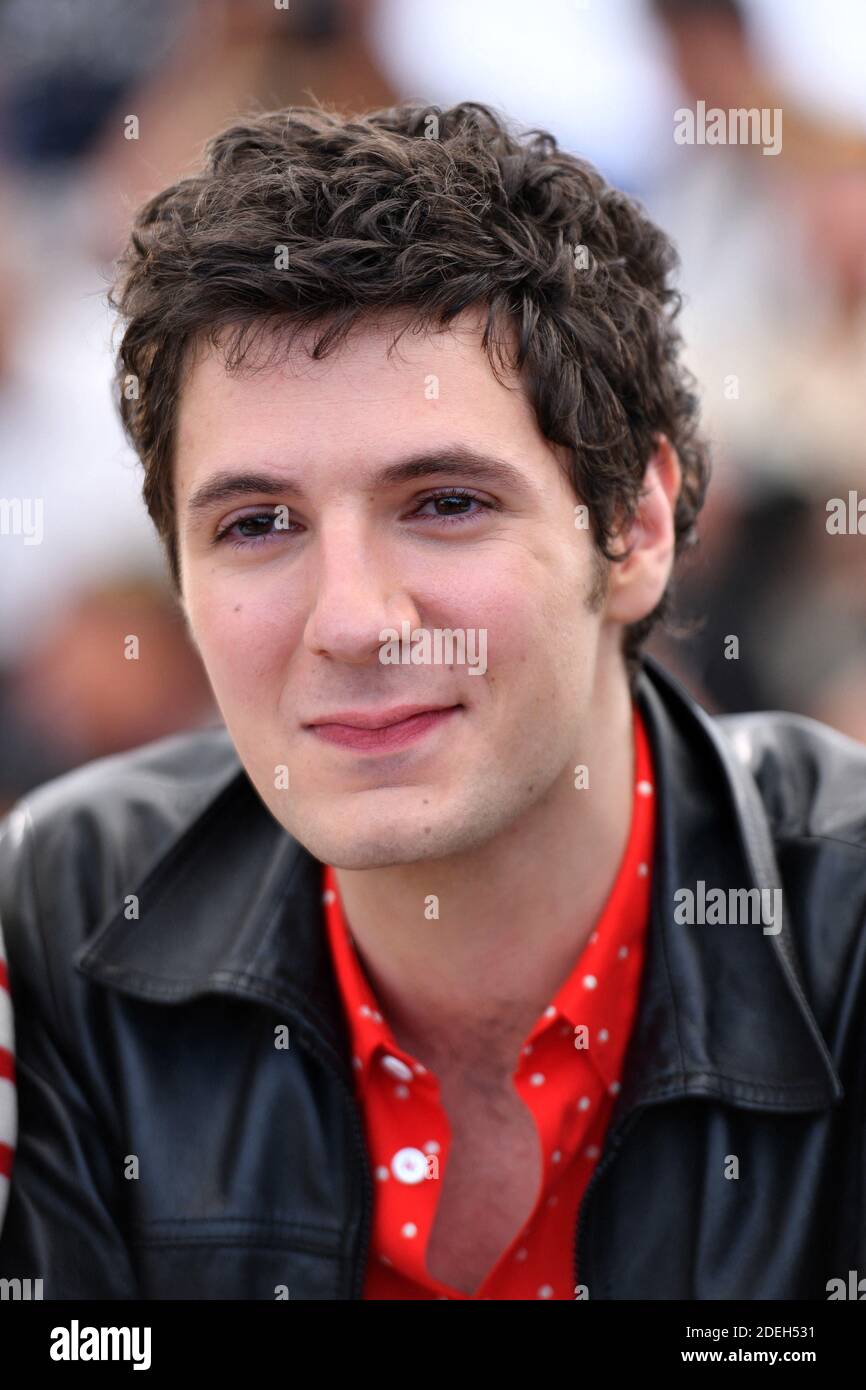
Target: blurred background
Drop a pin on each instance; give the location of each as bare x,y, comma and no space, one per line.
773,272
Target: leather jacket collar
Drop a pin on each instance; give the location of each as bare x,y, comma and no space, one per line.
233,907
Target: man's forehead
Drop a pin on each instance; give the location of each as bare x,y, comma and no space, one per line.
394,344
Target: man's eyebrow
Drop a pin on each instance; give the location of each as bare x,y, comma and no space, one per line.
228,485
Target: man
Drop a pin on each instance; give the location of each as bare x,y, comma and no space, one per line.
472,958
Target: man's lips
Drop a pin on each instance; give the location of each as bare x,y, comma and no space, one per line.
374,719
382,730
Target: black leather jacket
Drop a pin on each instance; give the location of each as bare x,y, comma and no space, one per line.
160,925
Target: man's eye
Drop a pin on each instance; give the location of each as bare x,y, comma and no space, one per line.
449,496
253,528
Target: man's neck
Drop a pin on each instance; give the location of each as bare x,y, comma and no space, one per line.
515,913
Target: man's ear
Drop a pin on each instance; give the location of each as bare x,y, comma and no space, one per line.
636,584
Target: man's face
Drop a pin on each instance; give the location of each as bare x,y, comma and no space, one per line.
289,610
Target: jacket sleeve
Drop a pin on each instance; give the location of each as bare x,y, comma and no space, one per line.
62,1222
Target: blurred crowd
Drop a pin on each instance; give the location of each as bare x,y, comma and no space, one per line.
773,273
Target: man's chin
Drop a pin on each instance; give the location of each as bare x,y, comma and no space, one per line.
368,852
362,844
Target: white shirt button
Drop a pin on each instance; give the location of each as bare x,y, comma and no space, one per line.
409,1166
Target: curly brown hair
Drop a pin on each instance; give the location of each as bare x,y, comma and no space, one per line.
434,210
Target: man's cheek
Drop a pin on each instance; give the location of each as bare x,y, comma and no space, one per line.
239,653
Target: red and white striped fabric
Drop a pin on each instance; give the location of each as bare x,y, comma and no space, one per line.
8,1106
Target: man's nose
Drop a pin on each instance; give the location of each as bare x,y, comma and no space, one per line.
358,594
